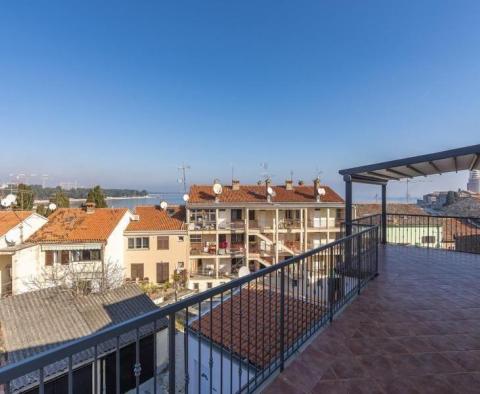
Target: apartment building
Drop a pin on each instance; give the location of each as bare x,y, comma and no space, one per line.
76,245
156,244
15,228
235,229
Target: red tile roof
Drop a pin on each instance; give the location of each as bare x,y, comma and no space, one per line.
9,219
373,209
257,194
76,225
153,218
250,323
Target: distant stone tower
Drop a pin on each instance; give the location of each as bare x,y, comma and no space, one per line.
473,184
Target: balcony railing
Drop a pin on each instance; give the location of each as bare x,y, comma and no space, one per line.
439,232
230,338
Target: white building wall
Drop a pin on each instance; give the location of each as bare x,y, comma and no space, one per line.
194,356
114,251
26,266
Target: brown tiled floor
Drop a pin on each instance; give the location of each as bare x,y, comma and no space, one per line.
414,329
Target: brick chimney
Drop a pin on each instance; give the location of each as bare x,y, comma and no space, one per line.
289,184
235,184
90,207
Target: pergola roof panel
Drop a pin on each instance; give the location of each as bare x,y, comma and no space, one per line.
466,158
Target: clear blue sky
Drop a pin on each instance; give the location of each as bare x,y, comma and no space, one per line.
120,93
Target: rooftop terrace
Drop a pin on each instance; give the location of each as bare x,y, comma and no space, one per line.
414,329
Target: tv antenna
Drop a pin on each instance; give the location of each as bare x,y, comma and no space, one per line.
407,182
183,173
318,173
291,176
265,173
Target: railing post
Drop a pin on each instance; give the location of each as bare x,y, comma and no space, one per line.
282,318
384,214
171,353
376,251
331,292
359,260
428,232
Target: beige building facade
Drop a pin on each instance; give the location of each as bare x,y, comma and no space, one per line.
156,244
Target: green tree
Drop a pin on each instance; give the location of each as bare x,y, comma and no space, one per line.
42,210
25,197
97,196
60,199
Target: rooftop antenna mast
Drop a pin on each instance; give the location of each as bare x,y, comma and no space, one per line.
291,176
318,172
183,172
265,173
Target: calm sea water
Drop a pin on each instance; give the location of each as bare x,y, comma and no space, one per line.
131,203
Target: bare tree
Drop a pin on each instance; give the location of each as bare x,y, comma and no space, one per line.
81,277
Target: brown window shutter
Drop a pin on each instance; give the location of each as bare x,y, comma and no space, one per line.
162,272
65,257
49,257
162,243
136,271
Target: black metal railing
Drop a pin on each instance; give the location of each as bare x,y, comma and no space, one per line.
440,232
227,339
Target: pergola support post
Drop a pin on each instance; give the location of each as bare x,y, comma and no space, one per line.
348,204
384,214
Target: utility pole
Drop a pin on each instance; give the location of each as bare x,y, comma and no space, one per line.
183,168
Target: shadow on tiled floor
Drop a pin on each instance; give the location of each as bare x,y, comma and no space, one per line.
415,329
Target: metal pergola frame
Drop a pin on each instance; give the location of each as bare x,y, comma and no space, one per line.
460,159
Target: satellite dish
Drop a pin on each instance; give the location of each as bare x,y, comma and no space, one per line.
12,236
5,203
321,191
270,190
52,206
217,188
163,205
186,197
243,271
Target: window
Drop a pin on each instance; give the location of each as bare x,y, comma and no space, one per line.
162,272
251,215
209,285
180,265
292,214
65,257
162,242
196,286
49,259
181,238
195,238
139,243
236,214
85,255
136,271
428,239
237,238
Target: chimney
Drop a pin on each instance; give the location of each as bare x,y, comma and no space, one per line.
316,187
235,184
289,184
268,183
90,207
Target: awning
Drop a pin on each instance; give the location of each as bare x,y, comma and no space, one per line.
82,246
467,158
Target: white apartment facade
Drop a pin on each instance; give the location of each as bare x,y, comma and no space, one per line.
254,226
15,228
86,242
